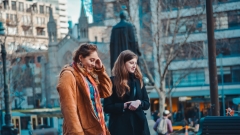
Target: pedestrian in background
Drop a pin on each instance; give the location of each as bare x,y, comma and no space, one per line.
155,115
169,128
175,116
129,98
80,87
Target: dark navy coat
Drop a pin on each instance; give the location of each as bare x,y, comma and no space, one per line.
127,122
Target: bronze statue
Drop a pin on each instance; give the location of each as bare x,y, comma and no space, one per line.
123,37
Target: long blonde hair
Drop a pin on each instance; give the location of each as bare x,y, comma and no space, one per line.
121,73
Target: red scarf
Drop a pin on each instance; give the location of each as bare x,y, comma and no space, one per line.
90,76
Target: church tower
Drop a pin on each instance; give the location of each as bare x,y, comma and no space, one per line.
52,27
51,69
83,25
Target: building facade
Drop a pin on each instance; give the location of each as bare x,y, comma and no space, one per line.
61,10
25,24
193,89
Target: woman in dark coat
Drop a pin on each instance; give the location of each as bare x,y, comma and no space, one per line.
129,98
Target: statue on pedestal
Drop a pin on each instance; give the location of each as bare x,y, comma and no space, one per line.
123,37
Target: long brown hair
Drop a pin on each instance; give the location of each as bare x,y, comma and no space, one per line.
121,73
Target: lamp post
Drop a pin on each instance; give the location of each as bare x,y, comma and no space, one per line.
7,129
212,60
222,78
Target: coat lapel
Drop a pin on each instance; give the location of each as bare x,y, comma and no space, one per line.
138,89
83,89
80,82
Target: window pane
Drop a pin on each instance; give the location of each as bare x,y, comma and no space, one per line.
21,8
192,78
41,9
236,74
24,122
14,6
234,18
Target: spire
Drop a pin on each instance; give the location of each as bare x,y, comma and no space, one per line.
50,14
82,14
52,27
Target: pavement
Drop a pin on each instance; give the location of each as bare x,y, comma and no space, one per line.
150,125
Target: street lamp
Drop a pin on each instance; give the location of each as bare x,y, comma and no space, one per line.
8,128
222,78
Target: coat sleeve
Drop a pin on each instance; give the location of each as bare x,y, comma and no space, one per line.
105,86
111,107
145,104
67,92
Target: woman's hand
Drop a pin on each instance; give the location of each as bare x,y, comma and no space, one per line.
126,104
98,64
134,105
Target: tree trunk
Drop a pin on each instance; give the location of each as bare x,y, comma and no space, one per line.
161,102
170,104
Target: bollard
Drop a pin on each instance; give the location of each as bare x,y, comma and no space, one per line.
186,130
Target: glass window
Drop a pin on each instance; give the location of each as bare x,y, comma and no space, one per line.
15,18
39,21
43,21
14,5
40,32
21,8
41,9
192,50
28,19
224,74
236,74
96,39
223,47
188,78
234,18
29,31
174,4
24,122
110,11
47,10
221,21
228,47
39,59
25,19
30,100
11,17
235,46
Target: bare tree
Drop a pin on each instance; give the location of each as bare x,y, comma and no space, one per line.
17,30
166,30
171,31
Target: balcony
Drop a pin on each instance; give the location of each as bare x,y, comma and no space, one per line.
40,31
40,26
11,23
26,26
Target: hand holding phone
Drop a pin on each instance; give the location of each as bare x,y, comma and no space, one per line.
126,104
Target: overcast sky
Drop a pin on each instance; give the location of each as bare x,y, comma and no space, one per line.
74,10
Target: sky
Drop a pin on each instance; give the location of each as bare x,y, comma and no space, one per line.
74,9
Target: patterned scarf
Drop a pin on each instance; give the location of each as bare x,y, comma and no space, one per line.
93,78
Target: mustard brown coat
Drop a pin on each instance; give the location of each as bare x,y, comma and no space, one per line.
76,105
